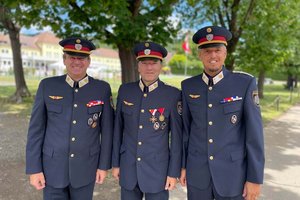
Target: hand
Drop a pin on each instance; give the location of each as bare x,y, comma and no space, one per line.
116,172
100,176
37,180
182,178
251,191
170,183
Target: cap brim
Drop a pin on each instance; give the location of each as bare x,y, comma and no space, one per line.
211,45
71,53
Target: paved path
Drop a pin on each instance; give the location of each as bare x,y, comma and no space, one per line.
282,173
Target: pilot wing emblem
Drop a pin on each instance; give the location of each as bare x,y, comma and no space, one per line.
128,103
56,97
194,96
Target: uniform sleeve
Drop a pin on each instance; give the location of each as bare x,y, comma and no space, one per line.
118,132
186,118
176,138
106,132
254,135
36,133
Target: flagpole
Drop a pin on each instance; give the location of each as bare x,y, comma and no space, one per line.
185,67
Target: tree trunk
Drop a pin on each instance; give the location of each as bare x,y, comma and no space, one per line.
14,36
296,81
128,65
21,87
260,83
289,81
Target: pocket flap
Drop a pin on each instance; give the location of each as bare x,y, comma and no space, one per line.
95,109
54,108
94,150
232,107
48,151
237,155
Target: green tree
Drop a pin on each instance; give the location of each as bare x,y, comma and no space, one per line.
119,23
11,21
232,14
270,40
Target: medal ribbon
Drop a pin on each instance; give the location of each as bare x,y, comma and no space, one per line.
152,111
161,110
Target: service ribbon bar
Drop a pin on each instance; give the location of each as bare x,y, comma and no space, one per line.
94,103
231,99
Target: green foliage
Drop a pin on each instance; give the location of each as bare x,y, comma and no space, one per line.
180,61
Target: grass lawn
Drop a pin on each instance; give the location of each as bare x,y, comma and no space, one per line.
269,108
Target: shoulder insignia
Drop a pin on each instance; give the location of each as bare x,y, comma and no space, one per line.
255,97
179,107
241,72
194,96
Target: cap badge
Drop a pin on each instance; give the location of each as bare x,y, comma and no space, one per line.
146,44
208,30
78,41
209,37
147,51
78,46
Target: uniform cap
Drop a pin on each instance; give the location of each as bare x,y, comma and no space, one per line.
77,46
149,50
210,36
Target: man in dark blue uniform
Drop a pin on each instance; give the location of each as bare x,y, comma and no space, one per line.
64,153
147,145
223,132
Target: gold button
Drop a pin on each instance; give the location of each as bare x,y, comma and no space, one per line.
74,121
140,143
142,111
210,123
76,90
75,105
73,139
211,157
210,140
210,105
72,155
210,88
139,159
145,95
141,126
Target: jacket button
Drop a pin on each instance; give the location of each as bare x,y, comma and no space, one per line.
210,123
142,111
75,105
139,159
141,126
145,95
210,105
74,121
73,139
210,88
210,140
72,155
211,157
140,143
76,90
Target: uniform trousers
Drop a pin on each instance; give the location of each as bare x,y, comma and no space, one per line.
69,193
137,194
209,193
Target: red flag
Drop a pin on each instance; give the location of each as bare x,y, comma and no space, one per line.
185,44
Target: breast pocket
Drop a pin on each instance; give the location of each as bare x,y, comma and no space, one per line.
232,107
54,109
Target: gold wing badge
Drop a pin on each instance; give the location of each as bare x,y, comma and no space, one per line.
56,97
128,103
194,96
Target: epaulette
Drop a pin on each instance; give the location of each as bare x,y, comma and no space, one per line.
241,72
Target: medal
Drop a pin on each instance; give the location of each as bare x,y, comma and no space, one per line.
94,124
153,119
156,126
90,121
163,125
100,114
161,111
233,119
95,116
